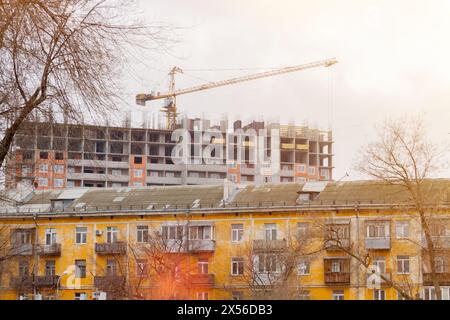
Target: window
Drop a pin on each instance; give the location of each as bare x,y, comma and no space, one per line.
301,168
237,232
338,231
137,173
402,229
23,268
267,263
58,183
43,168
43,182
80,296
304,295
267,179
237,266
59,156
138,160
325,173
377,230
116,172
380,264
403,264
379,294
111,267
336,266
58,169
137,184
312,171
22,237
338,295
111,234
172,232
302,230
43,155
26,170
80,235
141,267
430,294
142,234
202,295
440,265
71,170
50,267
300,179
200,233
80,268
303,268
270,231
50,236
202,266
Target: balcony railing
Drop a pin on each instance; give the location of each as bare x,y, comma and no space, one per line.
443,279
202,245
378,243
441,242
22,283
46,281
202,280
111,248
53,250
109,283
269,245
337,278
336,244
22,249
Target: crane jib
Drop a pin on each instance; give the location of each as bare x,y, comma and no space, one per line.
324,63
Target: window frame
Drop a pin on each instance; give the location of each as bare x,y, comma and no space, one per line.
237,266
142,234
83,235
237,232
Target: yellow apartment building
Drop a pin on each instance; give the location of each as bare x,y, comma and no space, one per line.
275,241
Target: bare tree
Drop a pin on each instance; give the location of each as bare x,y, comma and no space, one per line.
63,58
272,267
403,155
165,262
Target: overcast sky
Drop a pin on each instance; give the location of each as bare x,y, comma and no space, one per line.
394,60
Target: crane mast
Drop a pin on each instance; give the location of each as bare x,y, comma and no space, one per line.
170,106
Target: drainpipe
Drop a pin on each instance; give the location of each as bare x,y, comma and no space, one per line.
357,248
35,255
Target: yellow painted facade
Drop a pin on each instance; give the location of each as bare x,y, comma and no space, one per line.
224,285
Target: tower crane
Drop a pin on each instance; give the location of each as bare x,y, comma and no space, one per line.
170,108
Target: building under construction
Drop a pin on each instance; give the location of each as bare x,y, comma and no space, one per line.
57,156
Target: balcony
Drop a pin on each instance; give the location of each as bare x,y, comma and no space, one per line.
46,281
52,250
443,279
269,245
337,244
201,280
337,278
109,283
21,283
441,242
378,243
22,250
111,248
202,245
378,279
